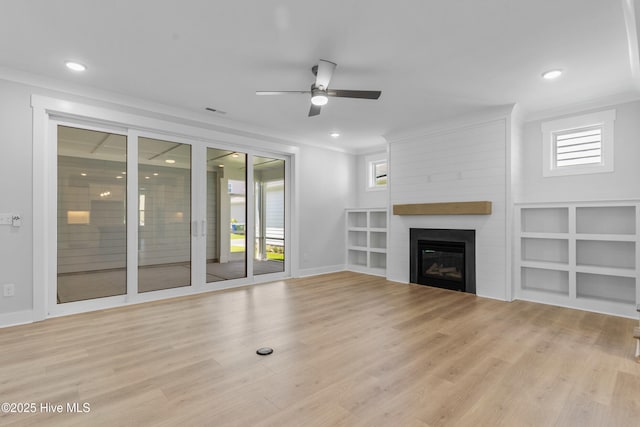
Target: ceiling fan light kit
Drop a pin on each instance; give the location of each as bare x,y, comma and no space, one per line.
319,97
320,92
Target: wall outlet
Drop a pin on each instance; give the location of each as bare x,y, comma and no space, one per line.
9,290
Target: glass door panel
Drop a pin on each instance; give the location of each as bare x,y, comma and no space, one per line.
226,215
164,214
91,217
269,184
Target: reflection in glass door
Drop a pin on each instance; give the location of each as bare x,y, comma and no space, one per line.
269,185
164,214
91,217
226,215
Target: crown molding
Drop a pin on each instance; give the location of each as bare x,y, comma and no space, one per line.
480,117
594,104
631,21
91,96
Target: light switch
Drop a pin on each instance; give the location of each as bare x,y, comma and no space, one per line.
16,220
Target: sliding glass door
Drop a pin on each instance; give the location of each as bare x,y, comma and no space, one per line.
226,221
269,194
140,217
91,214
164,214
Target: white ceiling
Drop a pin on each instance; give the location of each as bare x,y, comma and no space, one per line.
433,60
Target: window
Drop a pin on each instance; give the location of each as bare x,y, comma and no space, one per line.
376,172
578,145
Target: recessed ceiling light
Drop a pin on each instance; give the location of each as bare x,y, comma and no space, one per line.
334,134
146,177
551,74
156,174
170,161
75,66
235,155
119,177
220,166
83,174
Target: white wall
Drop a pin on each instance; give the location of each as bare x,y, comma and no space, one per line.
467,163
326,188
366,198
622,183
16,197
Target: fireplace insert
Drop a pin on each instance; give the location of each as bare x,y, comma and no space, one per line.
441,264
443,258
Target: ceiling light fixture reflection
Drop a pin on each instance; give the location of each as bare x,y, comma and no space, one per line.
170,161
147,177
155,174
75,66
220,166
83,174
235,155
551,74
119,177
334,134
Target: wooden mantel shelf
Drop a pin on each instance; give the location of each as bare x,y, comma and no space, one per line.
447,208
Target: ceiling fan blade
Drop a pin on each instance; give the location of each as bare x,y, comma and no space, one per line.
362,94
314,110
281,92
324,73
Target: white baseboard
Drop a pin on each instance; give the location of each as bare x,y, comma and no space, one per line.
16,318
306,272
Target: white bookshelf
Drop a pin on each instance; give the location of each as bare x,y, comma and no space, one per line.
581,255
366,240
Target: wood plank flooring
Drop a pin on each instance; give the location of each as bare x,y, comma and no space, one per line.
350,350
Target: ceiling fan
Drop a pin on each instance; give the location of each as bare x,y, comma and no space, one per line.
320,91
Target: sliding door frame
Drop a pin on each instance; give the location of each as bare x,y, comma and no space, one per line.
53,307
288,223
48,113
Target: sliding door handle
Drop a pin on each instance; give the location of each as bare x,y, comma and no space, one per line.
194,228
204,228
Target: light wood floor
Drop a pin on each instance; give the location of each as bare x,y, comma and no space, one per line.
350,350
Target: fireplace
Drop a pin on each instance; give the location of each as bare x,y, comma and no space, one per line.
443,258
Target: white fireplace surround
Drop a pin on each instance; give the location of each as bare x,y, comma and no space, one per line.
465,163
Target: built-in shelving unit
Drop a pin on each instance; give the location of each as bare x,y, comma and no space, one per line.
582,255
367,240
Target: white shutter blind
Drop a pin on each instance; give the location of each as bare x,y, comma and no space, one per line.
578,147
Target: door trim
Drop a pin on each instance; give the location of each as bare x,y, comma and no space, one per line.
48,112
